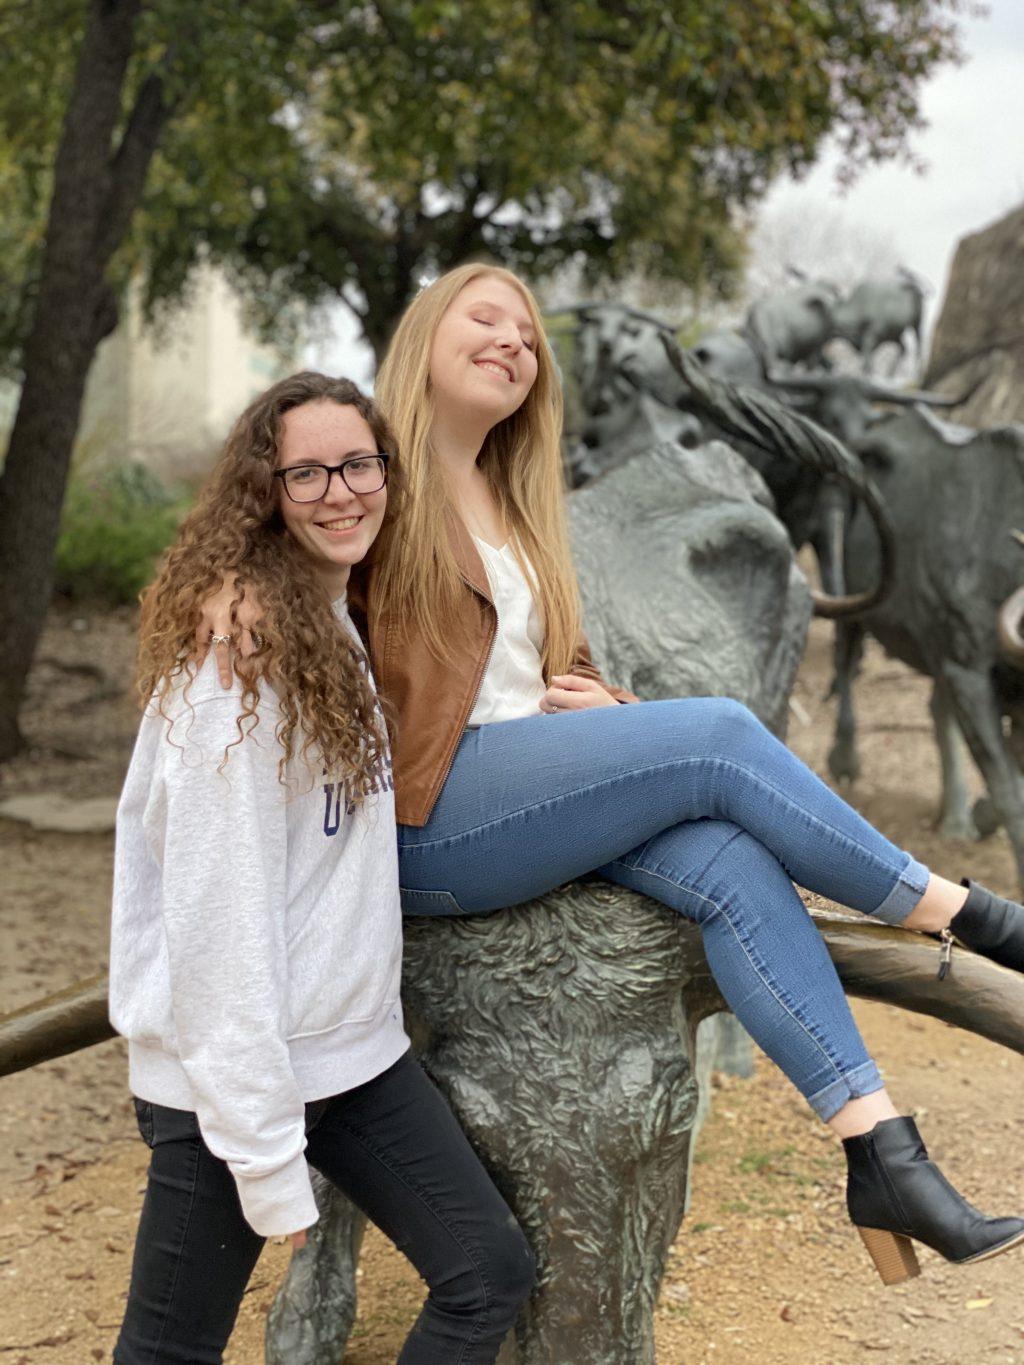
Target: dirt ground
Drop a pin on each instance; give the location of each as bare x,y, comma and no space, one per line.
766,1269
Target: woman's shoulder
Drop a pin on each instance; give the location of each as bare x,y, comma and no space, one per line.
194,685
195,704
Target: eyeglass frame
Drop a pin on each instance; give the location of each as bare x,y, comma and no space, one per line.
330,469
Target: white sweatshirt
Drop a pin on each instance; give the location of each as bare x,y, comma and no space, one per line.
256,942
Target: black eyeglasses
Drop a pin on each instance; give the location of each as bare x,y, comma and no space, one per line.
310,482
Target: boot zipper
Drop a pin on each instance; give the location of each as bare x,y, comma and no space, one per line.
895,1204
946,960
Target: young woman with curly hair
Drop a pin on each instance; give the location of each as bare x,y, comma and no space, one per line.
518,768
256,941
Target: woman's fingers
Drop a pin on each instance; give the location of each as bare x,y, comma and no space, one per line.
573,683
201,644
222,646
216,626
221,633
571,693
226,623
236,637
245,613
561,699
298,1240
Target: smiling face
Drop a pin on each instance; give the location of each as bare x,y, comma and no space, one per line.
483,361
338,530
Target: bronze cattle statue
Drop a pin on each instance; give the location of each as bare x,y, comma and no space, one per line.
564,1032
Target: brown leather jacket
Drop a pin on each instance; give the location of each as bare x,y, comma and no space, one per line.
431,701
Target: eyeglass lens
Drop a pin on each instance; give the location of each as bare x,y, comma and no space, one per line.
308,483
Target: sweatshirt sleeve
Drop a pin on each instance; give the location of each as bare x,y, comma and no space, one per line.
583,666
224,862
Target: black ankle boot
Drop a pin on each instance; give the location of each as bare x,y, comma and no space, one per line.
991,926
894,1192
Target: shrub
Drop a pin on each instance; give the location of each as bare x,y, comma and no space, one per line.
114,528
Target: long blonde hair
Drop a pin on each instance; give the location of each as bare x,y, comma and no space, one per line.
417,576
328,709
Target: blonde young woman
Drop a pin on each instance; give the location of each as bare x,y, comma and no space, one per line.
518,768
256,942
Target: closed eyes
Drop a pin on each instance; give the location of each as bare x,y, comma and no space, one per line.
486,322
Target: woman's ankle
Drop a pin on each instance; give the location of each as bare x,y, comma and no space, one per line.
859,1116
940,903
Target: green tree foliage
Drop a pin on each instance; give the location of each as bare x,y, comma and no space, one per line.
226,71
333,148
35,42
627,135
140,67
319,148
115,526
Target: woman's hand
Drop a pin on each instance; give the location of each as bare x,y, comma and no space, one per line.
298,1240
571,693
227,620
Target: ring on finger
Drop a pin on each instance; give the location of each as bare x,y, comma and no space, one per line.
220,639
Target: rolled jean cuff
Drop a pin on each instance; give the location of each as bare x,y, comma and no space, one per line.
850,1085
901,900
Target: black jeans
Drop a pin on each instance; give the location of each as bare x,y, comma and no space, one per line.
394,1147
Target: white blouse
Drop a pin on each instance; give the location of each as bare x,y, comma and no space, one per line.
513,683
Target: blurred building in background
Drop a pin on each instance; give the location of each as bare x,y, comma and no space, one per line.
165,396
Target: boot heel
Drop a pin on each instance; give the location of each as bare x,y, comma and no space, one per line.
894,1255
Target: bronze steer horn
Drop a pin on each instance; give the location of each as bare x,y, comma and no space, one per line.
753,416
867,388
1010,640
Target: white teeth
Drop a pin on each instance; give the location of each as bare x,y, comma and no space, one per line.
342,524
495,369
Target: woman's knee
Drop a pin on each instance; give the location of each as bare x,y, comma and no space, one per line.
501,1280
730,723
719,729
516,1268
511,1270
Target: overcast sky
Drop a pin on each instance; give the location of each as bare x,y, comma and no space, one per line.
973,148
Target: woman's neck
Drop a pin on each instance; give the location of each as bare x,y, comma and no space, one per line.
335,579
457,441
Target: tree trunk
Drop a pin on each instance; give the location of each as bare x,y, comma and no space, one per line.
96,189
385,303
388,276
377,335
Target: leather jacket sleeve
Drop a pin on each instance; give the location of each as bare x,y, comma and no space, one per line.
583,667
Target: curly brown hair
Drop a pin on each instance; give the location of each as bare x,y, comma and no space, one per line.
328,709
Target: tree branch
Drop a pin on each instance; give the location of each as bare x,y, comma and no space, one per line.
132,158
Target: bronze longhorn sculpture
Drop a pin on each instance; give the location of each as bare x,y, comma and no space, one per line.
564,1032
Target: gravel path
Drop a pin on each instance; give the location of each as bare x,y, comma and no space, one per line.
766,1268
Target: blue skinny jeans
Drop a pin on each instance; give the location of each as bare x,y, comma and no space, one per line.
695,803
